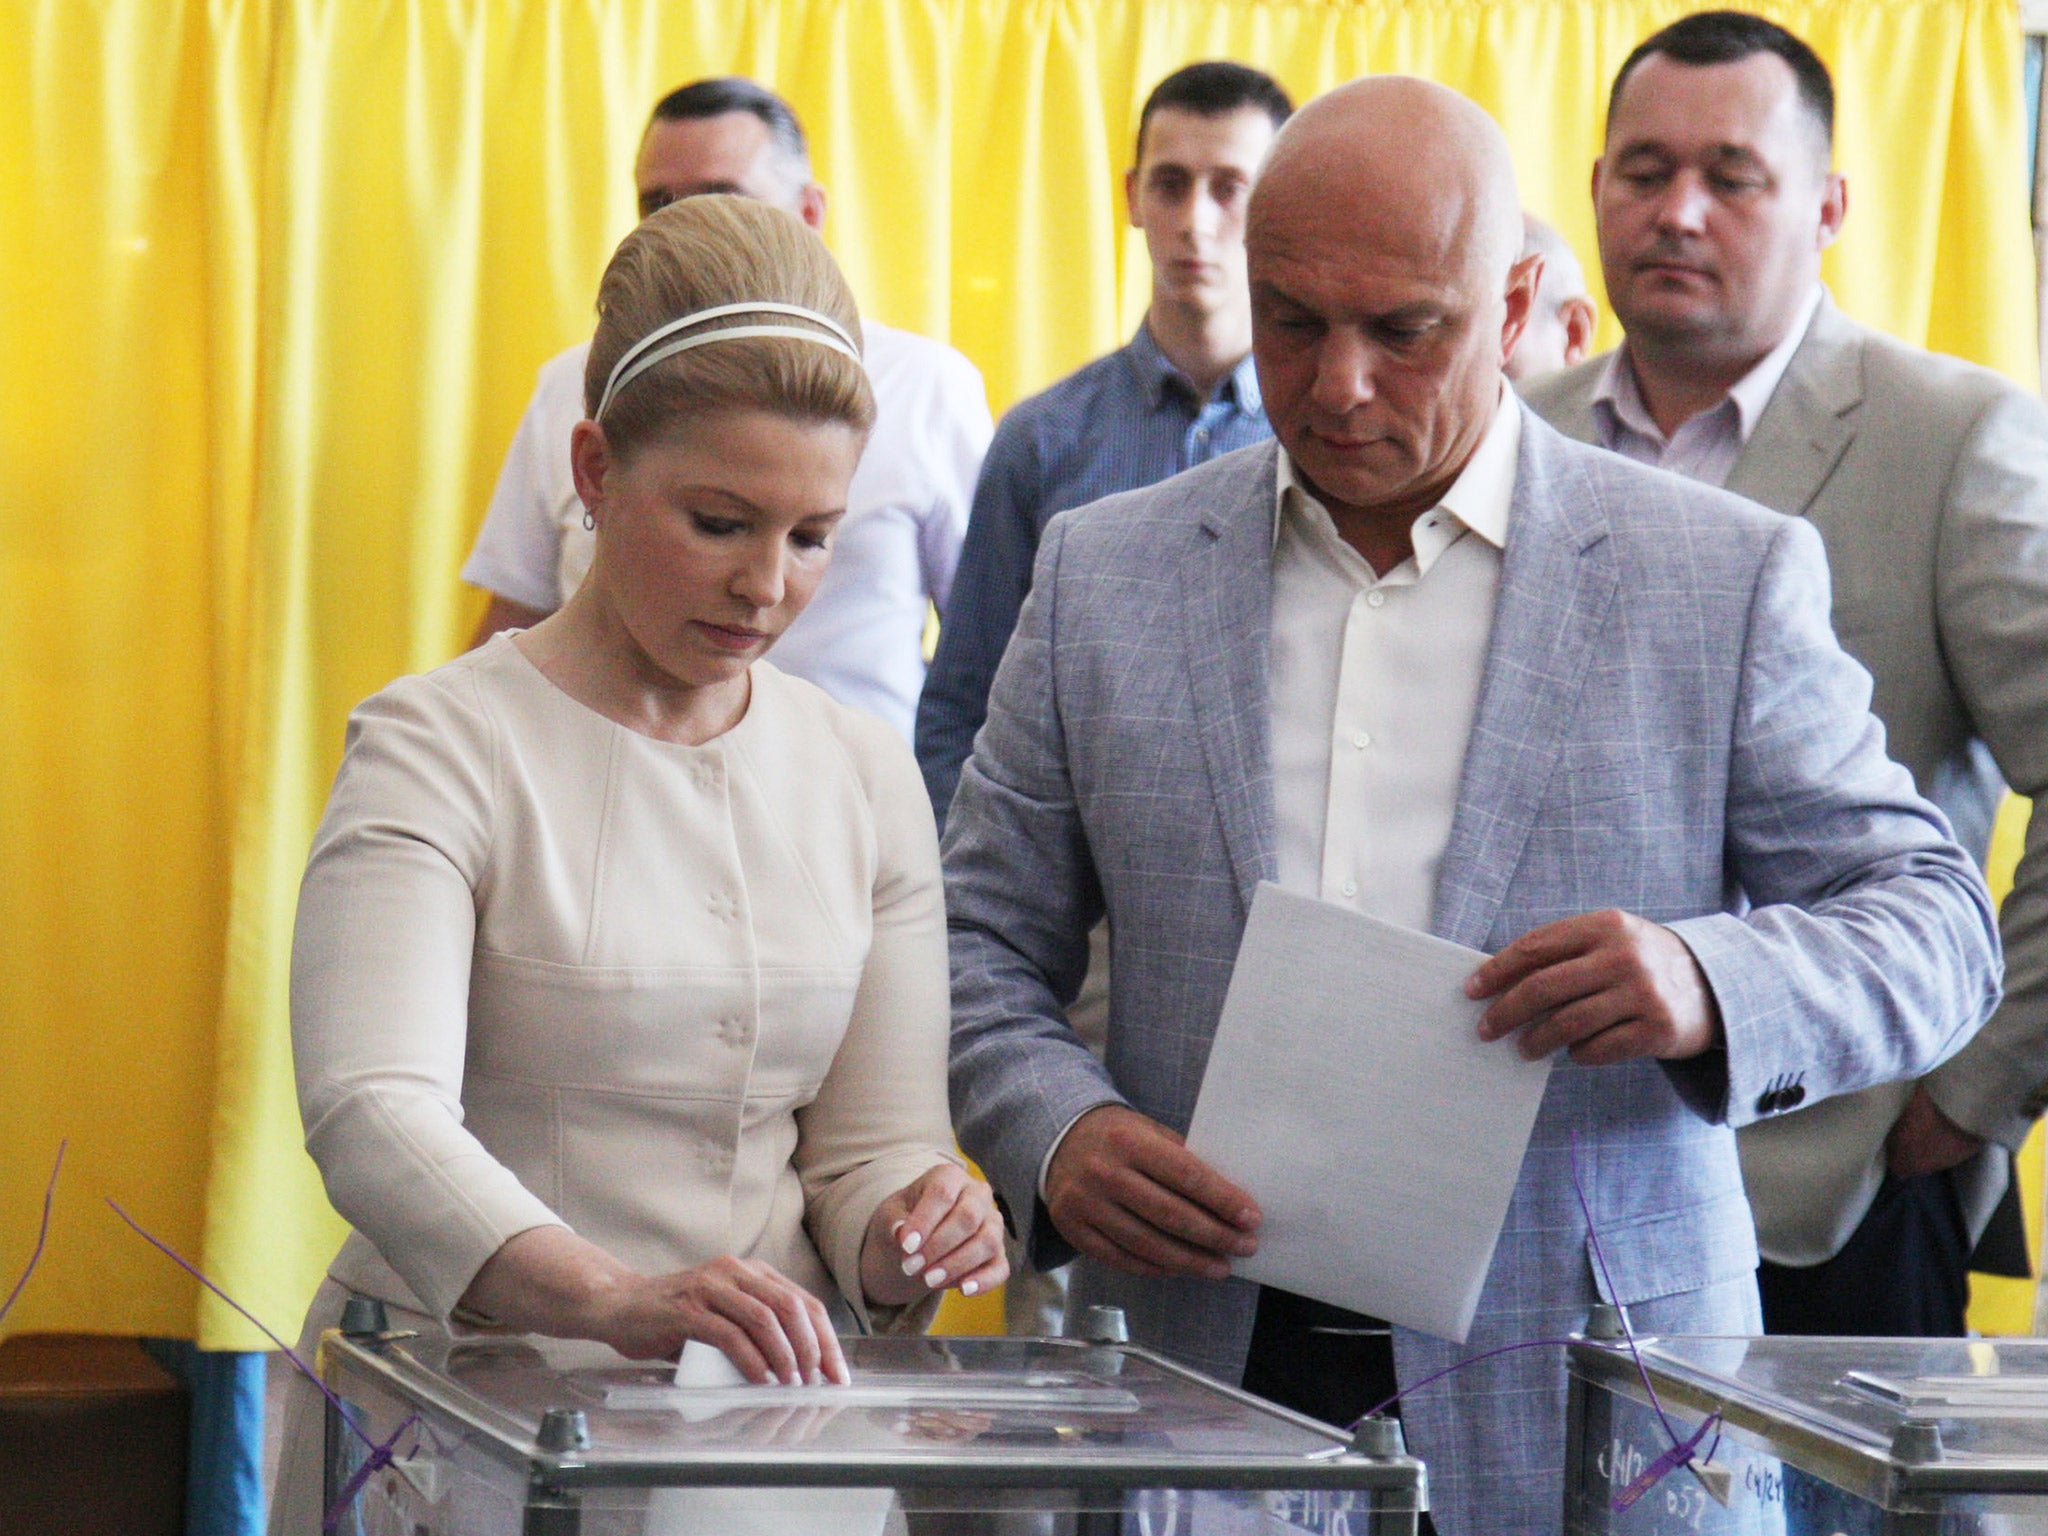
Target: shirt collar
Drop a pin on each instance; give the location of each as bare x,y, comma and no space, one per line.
1479,499
1244,384
1617,391
1156,374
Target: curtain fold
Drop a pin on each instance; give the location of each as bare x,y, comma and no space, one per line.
120,627
275,276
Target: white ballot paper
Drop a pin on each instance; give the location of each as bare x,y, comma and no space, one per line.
706,1365
1348,1090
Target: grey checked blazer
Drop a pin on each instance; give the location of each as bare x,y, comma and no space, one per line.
1927,479
1665,724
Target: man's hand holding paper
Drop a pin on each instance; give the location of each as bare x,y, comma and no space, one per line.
1607,986
1124,1189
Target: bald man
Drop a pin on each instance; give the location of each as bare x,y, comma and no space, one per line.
1427,659
1561,321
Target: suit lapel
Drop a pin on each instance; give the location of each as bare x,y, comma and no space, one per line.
1810,421
1565,400
1226,612
1558,579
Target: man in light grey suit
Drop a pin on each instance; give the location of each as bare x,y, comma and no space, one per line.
1438,663
1928,482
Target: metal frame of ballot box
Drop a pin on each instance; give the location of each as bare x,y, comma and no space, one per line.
950,1436
1817,1437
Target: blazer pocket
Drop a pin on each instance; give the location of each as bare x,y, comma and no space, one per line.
1672,1252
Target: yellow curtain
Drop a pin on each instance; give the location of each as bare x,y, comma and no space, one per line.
128,318
274,281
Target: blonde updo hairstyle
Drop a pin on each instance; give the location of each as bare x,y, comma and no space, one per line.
703,253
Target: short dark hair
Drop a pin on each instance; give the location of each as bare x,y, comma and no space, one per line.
735,93
1212,88
1728,37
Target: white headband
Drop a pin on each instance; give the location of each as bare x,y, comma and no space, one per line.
654,347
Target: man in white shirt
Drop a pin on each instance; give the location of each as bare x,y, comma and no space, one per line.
1426,658
893,557
1560,329
1928,482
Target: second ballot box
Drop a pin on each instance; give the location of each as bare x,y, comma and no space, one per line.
1814,1437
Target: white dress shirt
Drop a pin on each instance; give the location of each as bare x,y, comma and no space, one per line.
1375,684
862,637
1706,447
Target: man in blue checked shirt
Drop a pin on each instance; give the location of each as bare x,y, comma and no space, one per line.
1182,392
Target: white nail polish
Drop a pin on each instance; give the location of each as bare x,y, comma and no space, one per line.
913,1242
935,1279
912,1265
969,1287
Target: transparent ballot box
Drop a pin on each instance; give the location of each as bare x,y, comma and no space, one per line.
1833,1437
936,1437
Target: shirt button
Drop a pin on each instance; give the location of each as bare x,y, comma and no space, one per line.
1361,739
1375,599
1350,888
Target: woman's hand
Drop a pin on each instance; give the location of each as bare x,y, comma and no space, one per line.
939,1230
769,1326
549,1280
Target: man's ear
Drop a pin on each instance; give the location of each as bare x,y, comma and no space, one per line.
1131,196
1523,278
1580,318
1834,208
810,207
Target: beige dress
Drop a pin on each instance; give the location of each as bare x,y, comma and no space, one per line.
686,1001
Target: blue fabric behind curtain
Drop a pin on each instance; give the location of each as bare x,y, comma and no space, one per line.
224,1470
2036,46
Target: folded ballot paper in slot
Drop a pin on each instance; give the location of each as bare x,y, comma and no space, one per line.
1349,1092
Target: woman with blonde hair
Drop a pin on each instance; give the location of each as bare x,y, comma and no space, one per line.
619,991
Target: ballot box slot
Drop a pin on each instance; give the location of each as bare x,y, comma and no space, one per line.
1956,1397
910,1391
